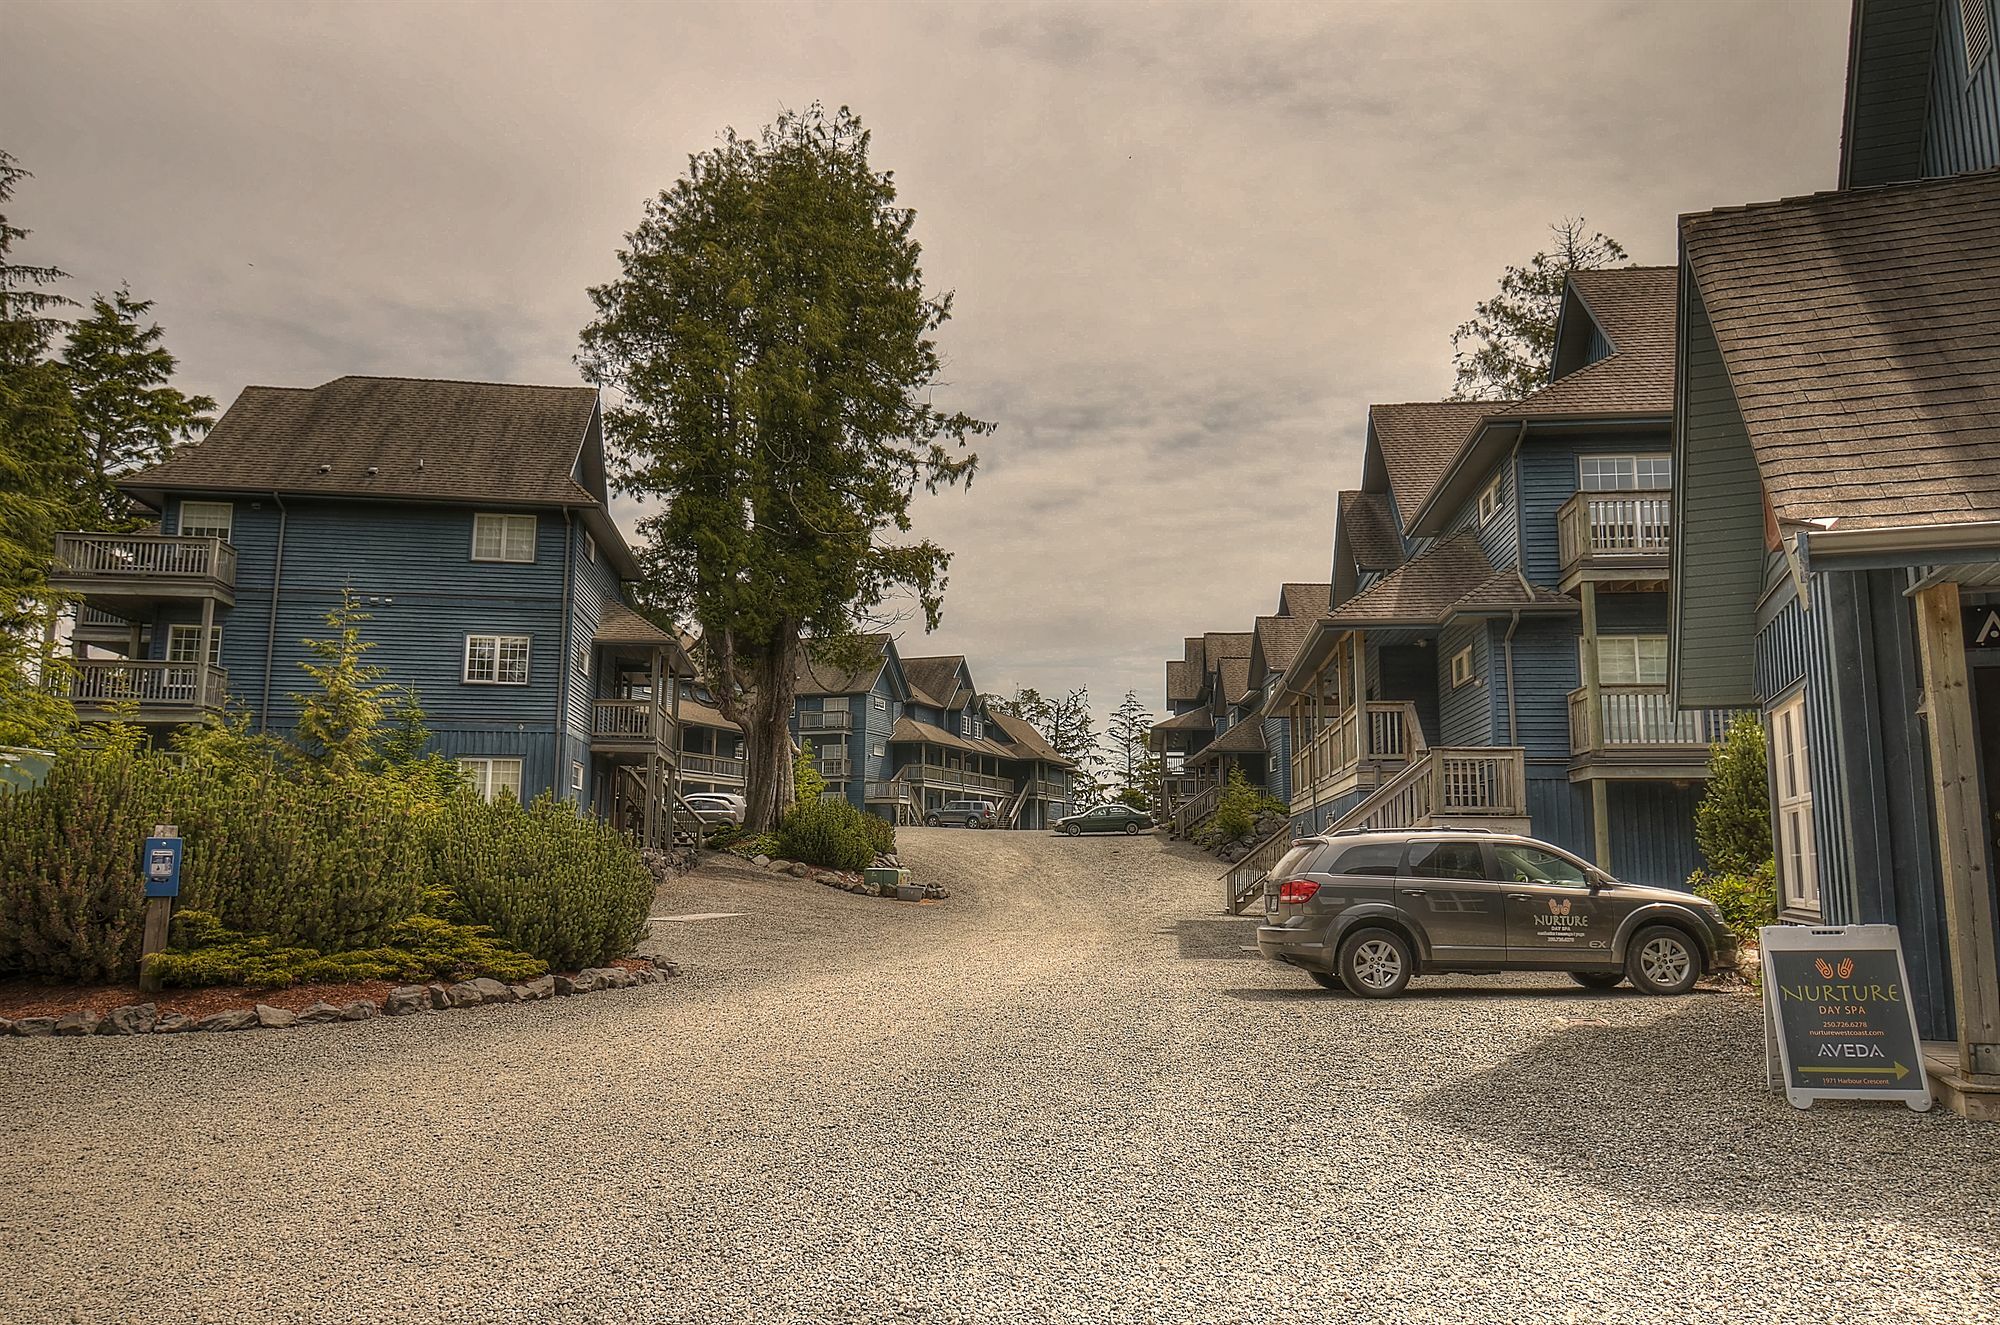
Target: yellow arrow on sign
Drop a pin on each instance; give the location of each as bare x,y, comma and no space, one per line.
1899,1070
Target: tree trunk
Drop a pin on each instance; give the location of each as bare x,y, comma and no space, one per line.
766,713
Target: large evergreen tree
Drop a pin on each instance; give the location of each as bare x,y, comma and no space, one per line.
769,344
1503,352
1131,724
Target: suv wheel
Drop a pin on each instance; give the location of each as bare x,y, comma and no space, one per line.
933,822
1375,963
1662,960
1598,979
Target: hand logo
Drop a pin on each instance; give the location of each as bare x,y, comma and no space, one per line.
1559,908
1825,971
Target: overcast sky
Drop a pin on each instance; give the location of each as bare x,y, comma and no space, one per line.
1190,243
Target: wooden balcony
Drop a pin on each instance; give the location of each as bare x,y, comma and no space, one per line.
835,770
1358,747
627,727
1615,537
838,721
711,768
125,574
148,692
1640,734
1450,787
939,778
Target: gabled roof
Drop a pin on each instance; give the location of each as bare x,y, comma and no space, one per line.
1030,744
1194,720
1451,578
1369,529
821,678
1418,441
1279,638
1183,682
935,681
619,624
1304,599
1235,679
423,440
1861,336
1218,645
1635,308
694,713
1245,737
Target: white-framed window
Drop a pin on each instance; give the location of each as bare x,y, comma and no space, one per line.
880,749
184,644
1489,502
493,778
207,519
589,546
583,660
1629,660
503,537
496,660
975,728
834,704
881,704
1461,668
1624,473
576,777
1798,860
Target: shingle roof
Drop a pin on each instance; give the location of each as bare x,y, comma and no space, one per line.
1861,334
1021,734
694,713
1183,681
1279,637
425,440
820,678
1371,530
1418,441
619,624
1454,576
1235,679
1192,720
936,680
1305,598
1243,738
1218,645
911,731
1635,308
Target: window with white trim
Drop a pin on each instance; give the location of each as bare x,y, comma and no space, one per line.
1629,660
1461,667
833,704
881,704
589,547
503,537
576,777
1489,502
184,644
583,661
207,519
1798,861
880,749
496,660
492,778
1624,473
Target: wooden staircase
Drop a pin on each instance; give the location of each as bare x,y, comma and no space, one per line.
1010,811
1244,882
1190,812
1449,787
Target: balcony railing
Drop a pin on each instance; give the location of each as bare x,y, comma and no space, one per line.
1042,789
1380,734
1448,786
934,775
835,768
626,721
1635,717
712,766
1619,530
833,720
153,557
152,686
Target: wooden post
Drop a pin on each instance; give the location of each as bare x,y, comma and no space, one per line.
653,759
674,769
201,653
159,912
1968,889
1593,729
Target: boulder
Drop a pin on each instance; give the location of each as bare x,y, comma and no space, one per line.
172,1023
583,982
407,999
35,1026
242,1019
466,994
800,870
359,1010
440,996
493,991
135,1019
761,862
321,1012
6,1025
539,988
79,1022
667,970
275,1019
605,977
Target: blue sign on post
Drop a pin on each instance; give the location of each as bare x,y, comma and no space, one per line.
161,863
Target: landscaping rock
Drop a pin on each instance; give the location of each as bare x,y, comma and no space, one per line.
440,996
407,999
242,1019
77,1023
605,977
173,1023
493,991
539,988
910,892
761,862
583,982
135,1019
321,1012
6,1025
359,1010
800,870
275,1019
466,994
31,1026
666,969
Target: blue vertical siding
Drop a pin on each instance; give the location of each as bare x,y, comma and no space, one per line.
1962,130
1465,713
1545,671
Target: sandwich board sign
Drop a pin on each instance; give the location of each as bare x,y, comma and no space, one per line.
1838,1022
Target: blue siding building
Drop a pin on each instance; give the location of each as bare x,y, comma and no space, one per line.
467,519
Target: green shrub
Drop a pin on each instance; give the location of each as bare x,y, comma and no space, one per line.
808,783
1748,902
1238,809
828,833
559,885
1733,823
422,948
880,832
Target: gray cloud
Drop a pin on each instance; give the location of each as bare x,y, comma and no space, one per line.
1190,243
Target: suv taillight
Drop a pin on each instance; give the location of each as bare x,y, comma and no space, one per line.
1294,892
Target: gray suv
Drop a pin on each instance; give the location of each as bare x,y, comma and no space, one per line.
964,814
1366,911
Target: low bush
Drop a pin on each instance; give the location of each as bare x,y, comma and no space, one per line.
829,833
881,833
422,948
1238,810
1748,901
564,887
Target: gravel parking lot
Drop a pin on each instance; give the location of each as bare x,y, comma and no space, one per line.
1066,1094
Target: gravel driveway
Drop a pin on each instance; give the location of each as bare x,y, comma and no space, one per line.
1066,1094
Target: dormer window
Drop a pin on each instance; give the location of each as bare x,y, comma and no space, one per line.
503,537
1489,502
